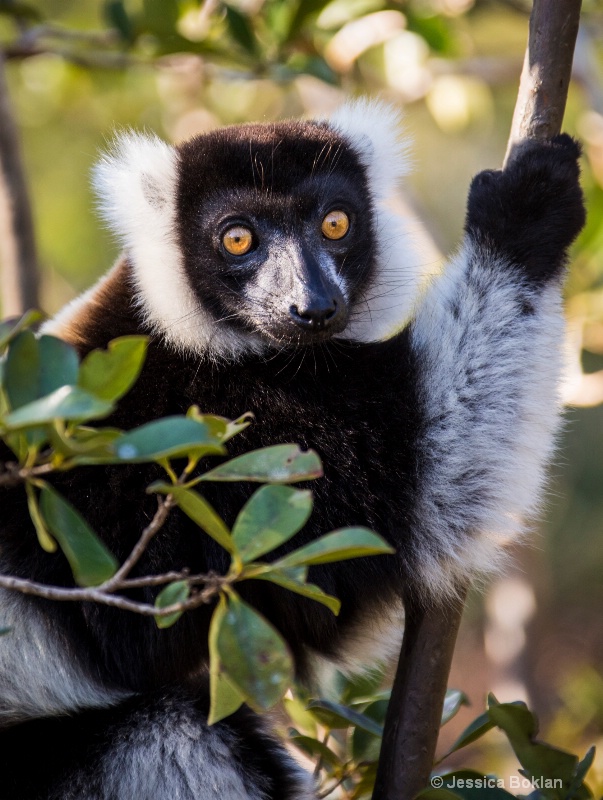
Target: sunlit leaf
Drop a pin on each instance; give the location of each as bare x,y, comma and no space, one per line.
282,463
270,517
453,702
68,403
46,541
200,511
224,698
256,659
337,546
170,437
90,561
176,592
221,427
110,373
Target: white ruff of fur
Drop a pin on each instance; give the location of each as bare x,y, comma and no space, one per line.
373,130
489,388
136,183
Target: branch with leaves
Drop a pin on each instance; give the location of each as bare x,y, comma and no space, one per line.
50,404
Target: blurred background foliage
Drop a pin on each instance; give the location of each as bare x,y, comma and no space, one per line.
79,69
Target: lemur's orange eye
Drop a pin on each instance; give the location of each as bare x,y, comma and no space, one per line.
335,225
238,240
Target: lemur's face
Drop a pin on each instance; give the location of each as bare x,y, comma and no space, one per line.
274,224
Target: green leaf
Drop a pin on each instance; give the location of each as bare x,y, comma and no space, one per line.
337,546
224,698
316,750
366,746
110,373
90,561
117,17
537,758
46,541
300,587
9,328
170,437
282,463
270,517
223,428
254,655
5,630
580,774
452,704
37,367
241,30
362,688
176,592
22,370
59,365
480,726
200,511
335,715
68,403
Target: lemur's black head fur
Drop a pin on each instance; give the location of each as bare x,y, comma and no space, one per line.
256,236
275,185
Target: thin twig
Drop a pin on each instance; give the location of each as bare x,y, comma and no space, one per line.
154,526
14,474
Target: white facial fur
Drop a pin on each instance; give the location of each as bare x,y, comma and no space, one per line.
136,183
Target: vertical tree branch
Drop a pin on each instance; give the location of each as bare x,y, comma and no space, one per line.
19,264
547,69
414,714
413,718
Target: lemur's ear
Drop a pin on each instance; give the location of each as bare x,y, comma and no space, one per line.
373,129
136,185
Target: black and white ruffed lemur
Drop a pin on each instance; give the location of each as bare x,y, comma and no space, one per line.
264,263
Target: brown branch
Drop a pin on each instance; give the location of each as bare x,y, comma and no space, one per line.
101,595
547,69
414,714
155,525
13,474
19,290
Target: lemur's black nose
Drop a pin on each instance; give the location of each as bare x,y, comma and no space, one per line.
315,315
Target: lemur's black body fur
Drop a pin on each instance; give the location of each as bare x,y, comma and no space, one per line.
421,437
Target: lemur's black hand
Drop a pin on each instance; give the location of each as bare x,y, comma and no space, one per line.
533,210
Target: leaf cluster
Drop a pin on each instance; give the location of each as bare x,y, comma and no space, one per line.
342,737
50,404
